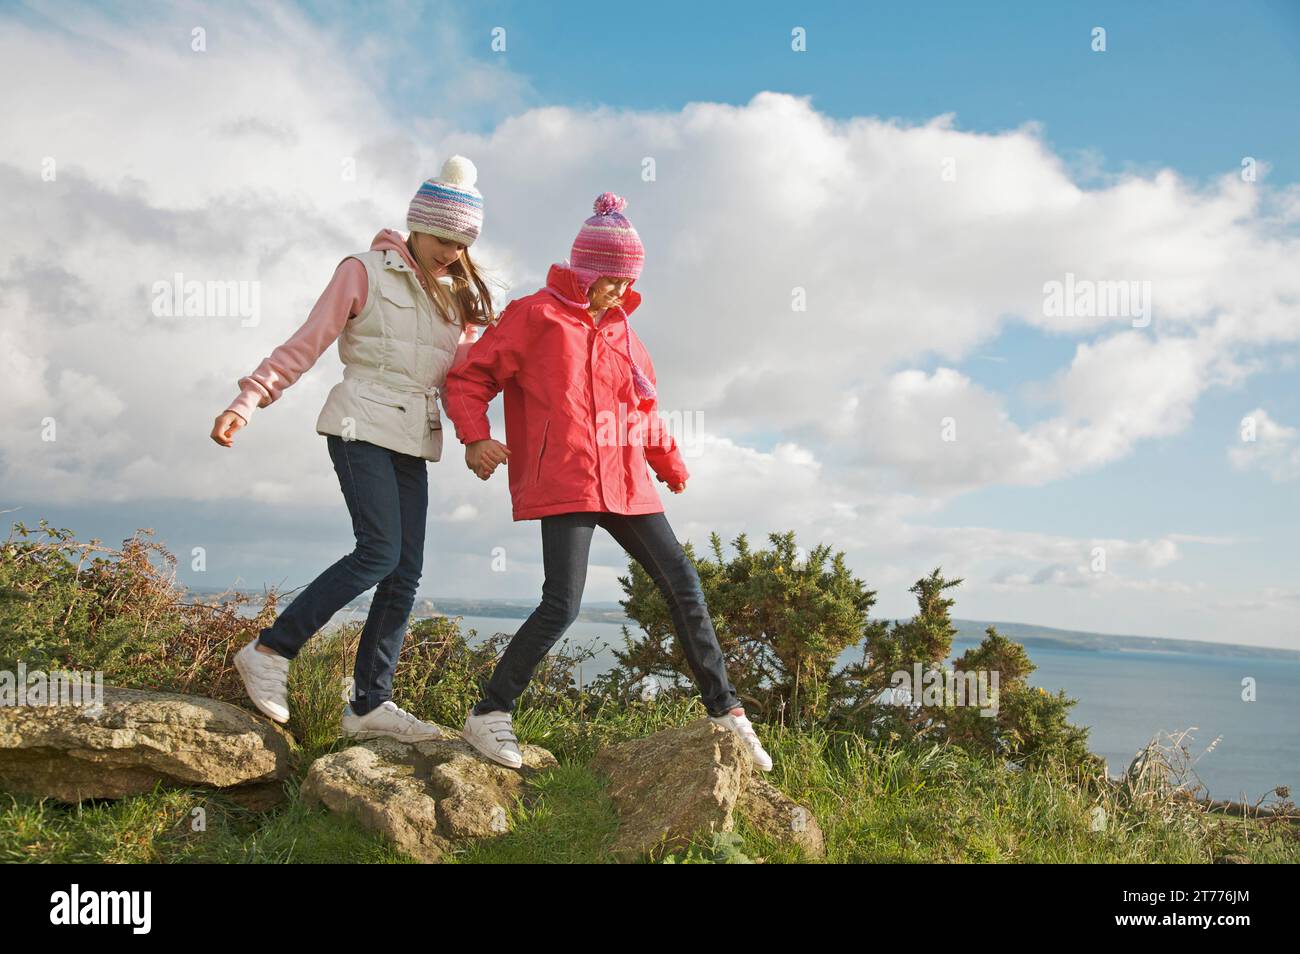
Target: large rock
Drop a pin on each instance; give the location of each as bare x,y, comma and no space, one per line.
680,784
769,810
673,785
137,739
422,796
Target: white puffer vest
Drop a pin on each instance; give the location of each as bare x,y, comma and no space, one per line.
396,353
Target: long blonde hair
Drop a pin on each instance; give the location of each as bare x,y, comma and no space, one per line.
469,299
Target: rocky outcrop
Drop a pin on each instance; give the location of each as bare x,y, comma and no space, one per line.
424,796
135,740
770,811
684,783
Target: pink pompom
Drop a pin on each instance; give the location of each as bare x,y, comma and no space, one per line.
607,203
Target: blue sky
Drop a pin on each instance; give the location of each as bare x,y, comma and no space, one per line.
1192,85
1105,164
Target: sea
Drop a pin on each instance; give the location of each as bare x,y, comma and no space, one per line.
1238,749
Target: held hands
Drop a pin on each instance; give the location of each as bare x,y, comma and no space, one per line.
483,457
223,431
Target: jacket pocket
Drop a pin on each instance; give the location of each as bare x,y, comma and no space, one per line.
396,292
386,397
541,451
384,402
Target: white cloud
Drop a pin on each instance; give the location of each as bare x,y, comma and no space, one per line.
227,166
1267,445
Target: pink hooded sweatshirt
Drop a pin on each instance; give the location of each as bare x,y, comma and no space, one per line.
343,298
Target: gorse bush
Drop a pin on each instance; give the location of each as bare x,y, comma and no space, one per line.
84,606
782,620
1031,726
785,622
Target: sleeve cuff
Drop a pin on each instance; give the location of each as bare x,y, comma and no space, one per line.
244,405
482,433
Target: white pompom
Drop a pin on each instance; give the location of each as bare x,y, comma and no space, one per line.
460,172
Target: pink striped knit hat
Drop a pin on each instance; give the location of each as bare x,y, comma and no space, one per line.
449,206
607,244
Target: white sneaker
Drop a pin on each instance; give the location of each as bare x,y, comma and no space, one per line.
745,729
493,734
266,680
390,721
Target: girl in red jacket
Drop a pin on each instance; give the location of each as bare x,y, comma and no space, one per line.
581,426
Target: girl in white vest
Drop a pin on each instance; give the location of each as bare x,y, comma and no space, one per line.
402,314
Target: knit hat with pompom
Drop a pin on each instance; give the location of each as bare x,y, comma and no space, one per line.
607,244
449,206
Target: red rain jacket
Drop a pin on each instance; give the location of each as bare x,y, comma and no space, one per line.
579,436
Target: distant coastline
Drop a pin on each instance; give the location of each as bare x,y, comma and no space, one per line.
1028,634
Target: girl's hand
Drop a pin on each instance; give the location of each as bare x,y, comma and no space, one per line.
223,431
483,457
677,488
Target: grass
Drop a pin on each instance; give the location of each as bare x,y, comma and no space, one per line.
180,826
875,803
569,821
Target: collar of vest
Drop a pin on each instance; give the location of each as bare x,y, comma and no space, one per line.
394,260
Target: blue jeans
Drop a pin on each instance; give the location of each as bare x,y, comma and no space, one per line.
387,494
566,543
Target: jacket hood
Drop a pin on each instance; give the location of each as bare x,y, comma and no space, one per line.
389,240
565,280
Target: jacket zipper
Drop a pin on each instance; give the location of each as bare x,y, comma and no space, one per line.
592,335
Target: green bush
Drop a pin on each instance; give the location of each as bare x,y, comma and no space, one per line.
784,623
781,620
66,605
